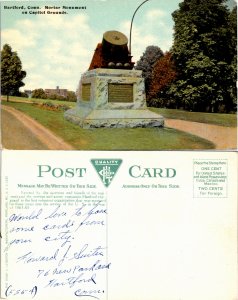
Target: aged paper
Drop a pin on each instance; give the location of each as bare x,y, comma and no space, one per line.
119,225
100,224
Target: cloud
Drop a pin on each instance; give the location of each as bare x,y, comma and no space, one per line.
155,14
149,30
17,39
53,50
56,49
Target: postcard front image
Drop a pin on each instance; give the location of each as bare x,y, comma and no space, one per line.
118,75
119,140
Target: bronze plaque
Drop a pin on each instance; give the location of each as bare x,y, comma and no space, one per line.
86,91
118,92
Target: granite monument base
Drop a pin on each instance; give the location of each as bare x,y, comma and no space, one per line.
114,118
112,98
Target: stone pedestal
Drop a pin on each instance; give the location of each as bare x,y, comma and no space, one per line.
112,98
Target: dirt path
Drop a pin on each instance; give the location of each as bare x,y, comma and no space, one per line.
225,138
45,136
23,137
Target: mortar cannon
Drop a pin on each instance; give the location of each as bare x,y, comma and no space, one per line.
112,52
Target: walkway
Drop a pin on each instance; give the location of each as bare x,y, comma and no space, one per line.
20,131
224,138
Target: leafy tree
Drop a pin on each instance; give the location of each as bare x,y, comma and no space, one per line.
163,74
147,61
202,55
71,96
11,72
52,96
23,94
233,31
55,97
58,97
39,93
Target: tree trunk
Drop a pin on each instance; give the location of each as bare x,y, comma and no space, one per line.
7,98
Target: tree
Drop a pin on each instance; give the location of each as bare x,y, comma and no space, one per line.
163,74
71,96
233,31
11,72
202,55
55,96
147,61
39,93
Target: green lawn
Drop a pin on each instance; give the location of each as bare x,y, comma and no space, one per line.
112,138
210,118
34,100
228,120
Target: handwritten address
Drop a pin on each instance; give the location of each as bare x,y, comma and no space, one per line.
63,248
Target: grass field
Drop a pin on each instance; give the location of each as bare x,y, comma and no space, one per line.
112,138
34,100
228,120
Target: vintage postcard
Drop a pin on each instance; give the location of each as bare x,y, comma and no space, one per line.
118,75
119,225
147,77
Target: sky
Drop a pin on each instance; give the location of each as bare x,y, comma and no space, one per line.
56,49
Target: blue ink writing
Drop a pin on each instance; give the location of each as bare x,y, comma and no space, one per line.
62,236
88,293
30,258
59,226
72,281
63,248
56,213
22,229
10,291
85,252
19,241
92,212
32,216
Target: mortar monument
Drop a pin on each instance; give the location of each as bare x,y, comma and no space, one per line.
111,93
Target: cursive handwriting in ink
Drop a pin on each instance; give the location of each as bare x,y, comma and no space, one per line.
10,291
56,213
65,236
22,229
66,225
31,258
19,241
72,281
95,267
32,216
88,293
93,212
64,257
85,252
78,211
92,267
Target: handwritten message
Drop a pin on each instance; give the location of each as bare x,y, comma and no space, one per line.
63,249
